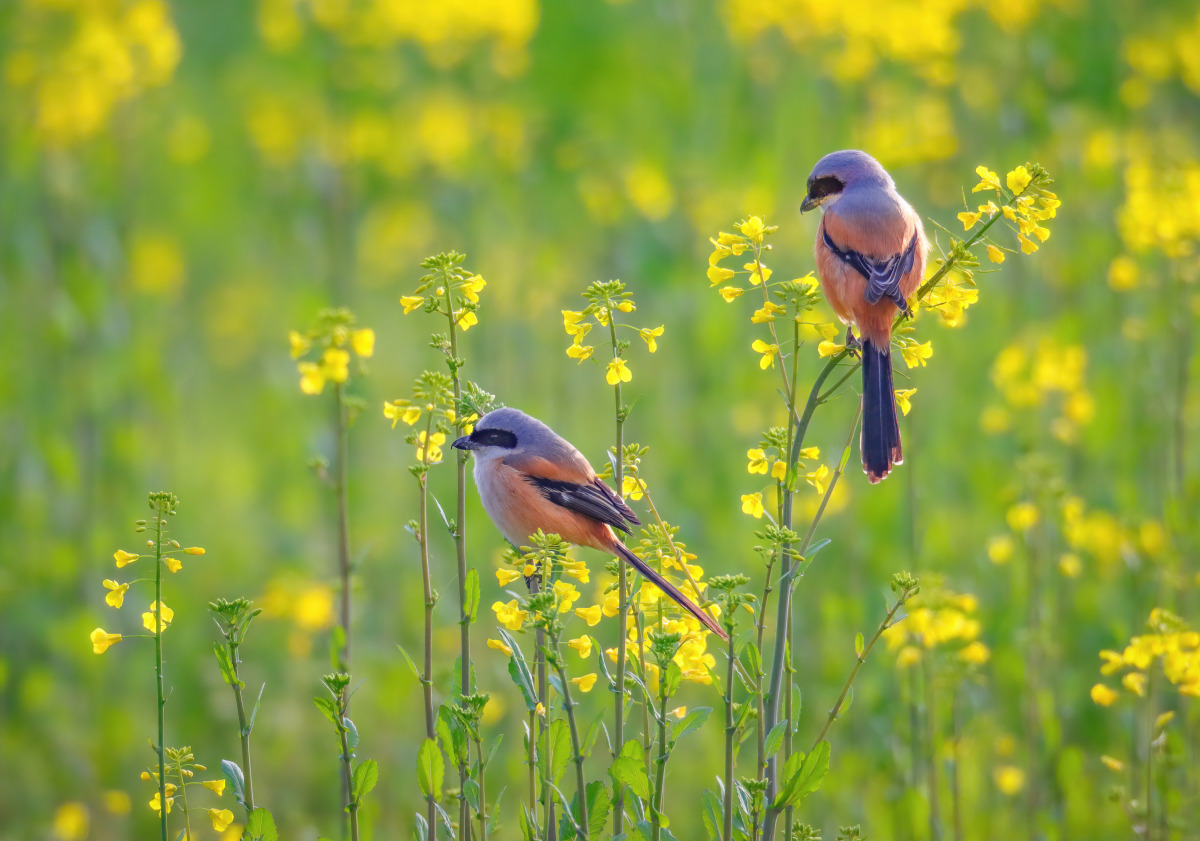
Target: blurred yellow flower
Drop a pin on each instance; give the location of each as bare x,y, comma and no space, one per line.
1022,516
1009,779
752,504
300,344
591,615
1103,695
336,365
500,646
1070,565
617,372
507,575
586,682
70,822
312,378
975,653
1113,764
363,342
583,645
312,608
1135,682
101,640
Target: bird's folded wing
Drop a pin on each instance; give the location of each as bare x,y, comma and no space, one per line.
593,499
883,276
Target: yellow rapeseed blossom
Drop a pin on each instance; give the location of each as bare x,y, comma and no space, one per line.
435,442
500,646
510,615
915,354
363,342
731,292
758,462
1103,695
829,348
650,336
102,639
995,254
752,228
566,595
904,399
165,616
768,352
968,219
123,558
591,615
116,595
975,653
507,575
1018,179
173,564
585,683
583,645
221,819
1022,516
752,504
617,372
70,822
1070,565
217,787
401,410
1009,779
411,302
155,804
819,478
990,180
312,378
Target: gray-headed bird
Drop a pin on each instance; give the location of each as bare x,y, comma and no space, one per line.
530,478
870,254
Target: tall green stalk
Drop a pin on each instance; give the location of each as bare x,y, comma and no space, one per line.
160,510
430,601
622,607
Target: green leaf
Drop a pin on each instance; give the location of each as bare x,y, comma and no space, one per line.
559,734
673,678
859,645
805,780
421,830
430,769
260,826
599,804
692,721
471,792
753,660
711,814
631,772
774,740
329,709
518,670
235,778
351,735
225,663
472,588
366,775
846,704
411,663
254,712
459,689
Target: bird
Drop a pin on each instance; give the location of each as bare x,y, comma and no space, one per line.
870,252
531,478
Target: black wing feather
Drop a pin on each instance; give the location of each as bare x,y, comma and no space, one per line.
882,276
595,499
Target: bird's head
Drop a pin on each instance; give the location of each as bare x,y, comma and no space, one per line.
839,171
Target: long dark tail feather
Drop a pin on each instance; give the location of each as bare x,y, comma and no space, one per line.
670,589
880,442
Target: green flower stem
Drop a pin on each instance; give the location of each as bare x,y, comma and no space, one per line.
836,709
430,601
622,607
569,707
460,545
343,734
730,731
160,518
531,762
789,669
187,816
244,725
482,780
935,810
660,773
343,521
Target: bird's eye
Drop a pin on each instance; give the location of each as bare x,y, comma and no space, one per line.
824,186
494,438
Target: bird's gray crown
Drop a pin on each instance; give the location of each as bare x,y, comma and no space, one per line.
851,167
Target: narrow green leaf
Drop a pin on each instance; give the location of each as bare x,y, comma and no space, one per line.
329,709
235,778
859,645
753,660
711,814
254,712
518,670
411,663
224,662
472,588
692,721
366,775
774,740
430,769
806,779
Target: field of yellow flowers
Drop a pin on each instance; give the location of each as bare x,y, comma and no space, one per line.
263,261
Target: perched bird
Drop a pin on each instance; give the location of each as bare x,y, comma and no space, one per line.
870,253
530,478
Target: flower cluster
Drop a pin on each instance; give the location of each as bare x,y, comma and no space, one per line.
79,62
158,616
1030,374
1024,204
604,301
333,337
432,399
771,457
938,619
447,288
182,767
1171,643
1162,204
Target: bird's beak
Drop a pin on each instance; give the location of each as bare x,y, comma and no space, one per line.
809,203
464,443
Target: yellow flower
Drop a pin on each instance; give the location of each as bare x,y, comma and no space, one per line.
1070,565
758,273
312,378
194,550
221,819
363,342
1022,516
617,372
819,478
1018,179
117,595
507,576
752,228
411,302
1104,696
1028,246
752,504
500,646
904,399
991,181
767,312
567,595
156,806
829,348
810,452
166,615
591,615
123,558
540,709
995,254
975,653
718,274
585,683
336,364
915,354
1135,682
679,712
649,336
907,656
969,220
1113,764
70,822
1001,548
571,323
582,644
731,292
217,787
472,287
435,442
467,319
510,616
767,351
779,471
300,344
102,639
632,488
173,564
611,605
758,461
580,352
1009,779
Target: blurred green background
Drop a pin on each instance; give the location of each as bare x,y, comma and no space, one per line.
183,183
